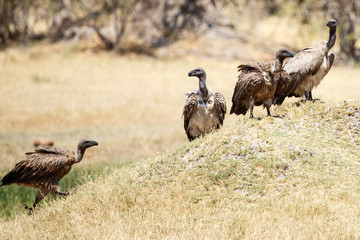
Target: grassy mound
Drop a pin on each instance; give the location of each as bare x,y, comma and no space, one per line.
293,177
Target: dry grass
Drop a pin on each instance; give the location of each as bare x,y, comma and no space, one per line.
295,177
132,105
279,178
125,103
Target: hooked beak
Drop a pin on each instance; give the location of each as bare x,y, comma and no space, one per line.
291,54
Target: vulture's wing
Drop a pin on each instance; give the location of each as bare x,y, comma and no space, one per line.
191,104
247,84
283,84
331,59
40,165
246,87
249,67
304,64
46,150
324,69
220,105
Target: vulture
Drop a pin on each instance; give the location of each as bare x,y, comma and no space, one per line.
44,168
204,109
310,66
257,83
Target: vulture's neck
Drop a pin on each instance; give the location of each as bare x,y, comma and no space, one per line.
276,65
202,87
332,38
79,154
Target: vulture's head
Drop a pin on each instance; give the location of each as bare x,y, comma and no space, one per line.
331,23
279,59
283,53
197,72
86,143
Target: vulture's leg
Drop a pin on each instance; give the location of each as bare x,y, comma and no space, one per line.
40,194
268,110
310,96
251,109
268,105
306,95
313,99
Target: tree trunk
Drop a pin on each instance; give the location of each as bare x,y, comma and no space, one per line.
4,22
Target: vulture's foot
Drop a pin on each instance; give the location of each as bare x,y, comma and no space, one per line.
63,193
317,99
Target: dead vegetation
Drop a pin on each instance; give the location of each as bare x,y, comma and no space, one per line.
297,174
293,177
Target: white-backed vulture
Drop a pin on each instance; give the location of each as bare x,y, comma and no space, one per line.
257,83
310,66
44,168
204,109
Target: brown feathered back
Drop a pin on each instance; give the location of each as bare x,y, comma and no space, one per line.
41,167
257,83
246,68
44,168
251,86
283,84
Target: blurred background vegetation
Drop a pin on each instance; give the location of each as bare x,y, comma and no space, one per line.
49,91
144,26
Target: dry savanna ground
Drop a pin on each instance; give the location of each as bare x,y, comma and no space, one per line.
132,106
295,177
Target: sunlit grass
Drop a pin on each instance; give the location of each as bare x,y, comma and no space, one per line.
293,177
13,197
297,173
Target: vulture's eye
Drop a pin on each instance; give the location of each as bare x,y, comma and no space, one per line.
201,102
209,102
